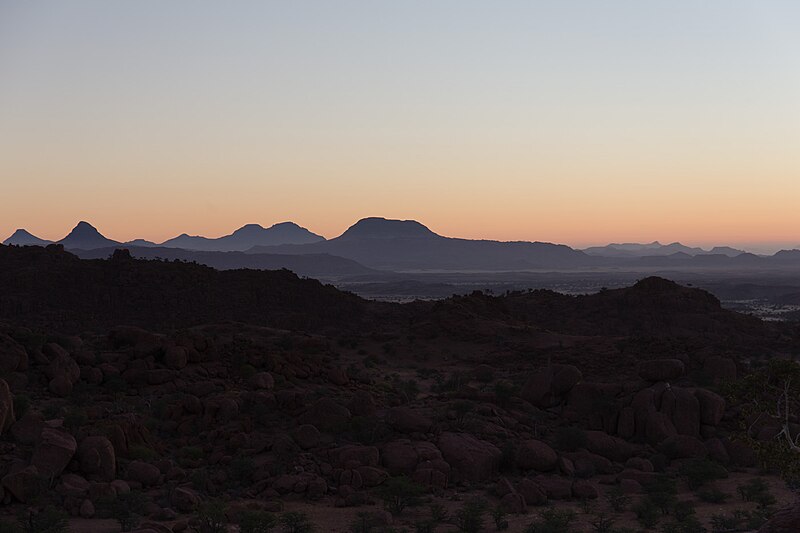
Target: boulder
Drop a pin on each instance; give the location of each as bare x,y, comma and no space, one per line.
53,452
184,499
61,364
471,458
25,485
338,376
144,473
60,386
784,521
716,451
28,428
11,354
306,436
372,476
175,357
261,381
661,369
683,447
533,493
399,457
513,503
354,455
548,385
712,406
584,490
87,509
683,408
97,458
7,418
73,486
406,420
658,427
556,488
605,445
327,415
535,455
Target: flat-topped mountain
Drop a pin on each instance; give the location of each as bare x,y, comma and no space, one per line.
381,228
84,236
409,245
246,237
23,237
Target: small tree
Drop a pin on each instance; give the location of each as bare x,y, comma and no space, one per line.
772,392
398,493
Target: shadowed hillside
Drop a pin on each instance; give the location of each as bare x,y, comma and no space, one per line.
53,288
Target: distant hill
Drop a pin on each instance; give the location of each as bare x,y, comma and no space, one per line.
247,237
655,248
140,243
84,236
409,245
321,266
22,237
54,288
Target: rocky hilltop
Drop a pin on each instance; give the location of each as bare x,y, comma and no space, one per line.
168,395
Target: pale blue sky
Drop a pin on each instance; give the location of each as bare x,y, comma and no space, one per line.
576,122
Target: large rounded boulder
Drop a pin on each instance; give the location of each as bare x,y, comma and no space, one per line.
471,458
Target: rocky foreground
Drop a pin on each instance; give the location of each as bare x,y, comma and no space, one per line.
167,397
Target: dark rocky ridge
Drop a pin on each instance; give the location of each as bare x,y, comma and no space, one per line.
315,396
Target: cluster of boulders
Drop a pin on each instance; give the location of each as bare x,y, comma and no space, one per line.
165,409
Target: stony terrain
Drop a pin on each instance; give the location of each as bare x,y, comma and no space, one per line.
167,396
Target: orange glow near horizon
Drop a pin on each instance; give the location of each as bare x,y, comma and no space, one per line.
613,123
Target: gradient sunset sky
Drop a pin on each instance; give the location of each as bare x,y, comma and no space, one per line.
564,121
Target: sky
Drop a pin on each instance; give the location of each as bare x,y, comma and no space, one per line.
576,122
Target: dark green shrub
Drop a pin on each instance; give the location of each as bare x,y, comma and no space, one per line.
552,521
9,527
662,493
240,471
438,513
398,493
698,472
127,509
141,452
647,513
756,490
257,522
296,522
22,402
711,495
617,499
499,517
212,518
602,523
504,393
470,518
366,523
48,520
